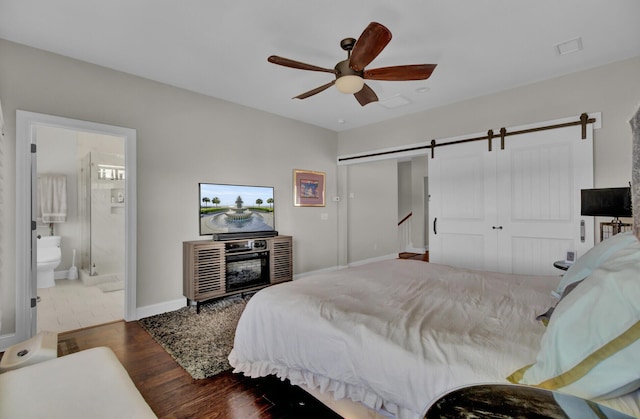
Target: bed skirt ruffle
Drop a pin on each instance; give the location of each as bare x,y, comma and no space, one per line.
337,389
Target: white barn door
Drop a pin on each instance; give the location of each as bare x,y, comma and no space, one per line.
539,179
524,202
462,191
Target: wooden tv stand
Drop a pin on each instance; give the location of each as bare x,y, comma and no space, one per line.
205,266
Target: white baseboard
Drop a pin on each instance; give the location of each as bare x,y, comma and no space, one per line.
61,274
336,268
152,310
319,271
412,249
376,259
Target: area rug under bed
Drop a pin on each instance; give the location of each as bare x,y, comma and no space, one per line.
200,343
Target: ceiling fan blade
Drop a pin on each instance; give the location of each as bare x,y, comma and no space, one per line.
316,90
372,41
297,64
366,95
401,72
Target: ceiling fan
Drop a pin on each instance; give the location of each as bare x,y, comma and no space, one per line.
350,73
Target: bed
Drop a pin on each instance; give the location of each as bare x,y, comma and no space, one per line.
394,335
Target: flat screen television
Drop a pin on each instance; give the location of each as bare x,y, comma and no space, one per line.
606,202
236,210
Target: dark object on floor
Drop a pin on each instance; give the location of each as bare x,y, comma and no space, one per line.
515,401
293,401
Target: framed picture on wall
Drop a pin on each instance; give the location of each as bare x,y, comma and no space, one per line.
308,188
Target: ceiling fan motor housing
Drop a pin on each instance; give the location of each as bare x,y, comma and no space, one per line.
348,80
343,69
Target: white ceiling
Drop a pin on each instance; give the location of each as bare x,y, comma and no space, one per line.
220,47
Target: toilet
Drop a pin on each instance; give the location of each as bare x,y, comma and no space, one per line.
49,257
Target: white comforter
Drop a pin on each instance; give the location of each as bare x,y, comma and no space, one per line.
393,334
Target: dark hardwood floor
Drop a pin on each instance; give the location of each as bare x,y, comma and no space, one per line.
172,393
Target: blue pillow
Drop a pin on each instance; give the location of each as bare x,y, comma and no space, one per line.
595,257
591,347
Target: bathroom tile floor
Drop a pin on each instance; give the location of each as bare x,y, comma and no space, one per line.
72,305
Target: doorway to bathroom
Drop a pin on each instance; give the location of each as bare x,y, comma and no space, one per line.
89,279
101,171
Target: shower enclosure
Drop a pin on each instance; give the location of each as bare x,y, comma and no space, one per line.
101,209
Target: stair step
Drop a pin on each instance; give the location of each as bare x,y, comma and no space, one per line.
416,256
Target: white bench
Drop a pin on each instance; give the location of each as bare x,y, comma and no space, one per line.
86,384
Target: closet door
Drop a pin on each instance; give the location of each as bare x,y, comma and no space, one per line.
539,177
515,210
462,213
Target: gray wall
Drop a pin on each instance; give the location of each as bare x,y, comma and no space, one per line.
404,189
372,201
183,138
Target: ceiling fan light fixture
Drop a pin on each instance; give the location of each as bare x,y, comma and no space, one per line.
350,84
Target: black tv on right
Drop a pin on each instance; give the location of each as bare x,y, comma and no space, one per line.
606,202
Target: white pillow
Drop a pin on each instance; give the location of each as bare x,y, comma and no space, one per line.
598,254
591,347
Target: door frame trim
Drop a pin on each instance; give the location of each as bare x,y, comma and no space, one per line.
26,122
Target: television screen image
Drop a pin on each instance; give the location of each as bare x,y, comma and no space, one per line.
235,209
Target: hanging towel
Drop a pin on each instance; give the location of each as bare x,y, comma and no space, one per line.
52,198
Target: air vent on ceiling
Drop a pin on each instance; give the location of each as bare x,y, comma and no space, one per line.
394,102
569,47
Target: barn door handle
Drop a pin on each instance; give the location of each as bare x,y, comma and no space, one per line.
497,227
582,231
435,223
